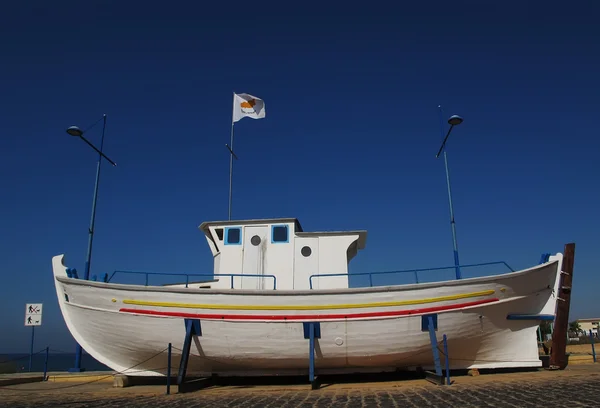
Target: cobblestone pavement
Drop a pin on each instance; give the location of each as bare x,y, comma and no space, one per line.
577,387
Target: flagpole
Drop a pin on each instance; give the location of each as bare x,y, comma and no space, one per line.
231,168
250,101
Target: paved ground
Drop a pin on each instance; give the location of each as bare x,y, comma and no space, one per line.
577,386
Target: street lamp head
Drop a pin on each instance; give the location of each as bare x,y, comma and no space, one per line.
455,120
74,131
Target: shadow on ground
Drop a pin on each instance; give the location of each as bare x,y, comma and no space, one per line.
325,381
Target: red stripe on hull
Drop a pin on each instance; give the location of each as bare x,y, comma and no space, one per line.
308,316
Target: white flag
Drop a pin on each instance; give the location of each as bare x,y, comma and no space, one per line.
246,105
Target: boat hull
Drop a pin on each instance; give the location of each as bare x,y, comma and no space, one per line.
246,332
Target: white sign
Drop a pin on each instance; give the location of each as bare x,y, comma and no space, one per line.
33,314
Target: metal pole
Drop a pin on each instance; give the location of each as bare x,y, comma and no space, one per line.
452,223
169,370
231,168
31,348
592,341
78,350
93,218
46,363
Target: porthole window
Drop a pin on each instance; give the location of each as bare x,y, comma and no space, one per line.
255,240
306,251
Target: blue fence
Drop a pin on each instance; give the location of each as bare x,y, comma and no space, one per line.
413,271
188,275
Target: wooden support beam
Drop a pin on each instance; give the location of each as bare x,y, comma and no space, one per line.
558,355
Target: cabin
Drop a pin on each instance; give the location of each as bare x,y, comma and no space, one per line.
270,254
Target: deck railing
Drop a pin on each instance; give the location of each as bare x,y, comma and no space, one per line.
415,271
310,279
187,276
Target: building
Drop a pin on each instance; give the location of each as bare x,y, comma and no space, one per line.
589,324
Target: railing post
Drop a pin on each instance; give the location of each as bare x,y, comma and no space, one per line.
416,277
187,280
46,363
370,280
232,282
593,349
146,279
169,370
447,360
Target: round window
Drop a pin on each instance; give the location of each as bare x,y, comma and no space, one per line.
255,240
306,251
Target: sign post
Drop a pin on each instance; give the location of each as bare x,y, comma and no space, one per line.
33,317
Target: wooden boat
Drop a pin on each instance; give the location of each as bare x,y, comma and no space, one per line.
271,280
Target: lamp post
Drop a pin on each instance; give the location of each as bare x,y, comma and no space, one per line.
454,120
77,132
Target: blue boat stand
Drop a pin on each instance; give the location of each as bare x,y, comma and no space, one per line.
312,331
430,323
192,328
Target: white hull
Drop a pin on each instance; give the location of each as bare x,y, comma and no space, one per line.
362,329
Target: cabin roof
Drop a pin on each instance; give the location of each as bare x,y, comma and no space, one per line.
362,234
205,225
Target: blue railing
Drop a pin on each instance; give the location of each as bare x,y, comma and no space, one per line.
415,271
187,276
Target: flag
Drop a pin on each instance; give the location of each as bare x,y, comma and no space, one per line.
246,105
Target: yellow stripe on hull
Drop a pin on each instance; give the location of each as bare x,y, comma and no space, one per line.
310,307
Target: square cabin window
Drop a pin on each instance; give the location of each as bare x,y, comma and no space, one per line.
279,234
234,236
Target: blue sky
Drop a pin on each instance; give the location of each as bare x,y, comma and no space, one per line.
349,140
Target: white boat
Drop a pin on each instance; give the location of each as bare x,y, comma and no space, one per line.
271,279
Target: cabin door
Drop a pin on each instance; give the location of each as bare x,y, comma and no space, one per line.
255,248
306,262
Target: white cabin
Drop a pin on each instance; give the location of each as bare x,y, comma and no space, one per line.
278,247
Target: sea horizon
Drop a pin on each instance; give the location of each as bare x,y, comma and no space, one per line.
57,361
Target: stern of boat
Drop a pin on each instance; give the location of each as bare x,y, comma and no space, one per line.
549,308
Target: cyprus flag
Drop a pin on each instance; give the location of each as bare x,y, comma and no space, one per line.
246,105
